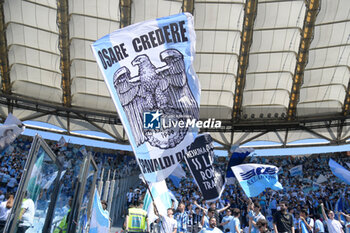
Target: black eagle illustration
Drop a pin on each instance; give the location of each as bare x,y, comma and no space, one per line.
164,88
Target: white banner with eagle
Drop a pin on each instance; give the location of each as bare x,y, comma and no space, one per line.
149,73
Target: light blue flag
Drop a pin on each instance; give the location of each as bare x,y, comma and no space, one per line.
296,171
255,178
99,217
339,171
148,70
162,199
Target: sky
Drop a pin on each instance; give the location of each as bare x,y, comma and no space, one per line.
258,152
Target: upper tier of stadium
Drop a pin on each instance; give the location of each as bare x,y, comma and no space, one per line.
270,70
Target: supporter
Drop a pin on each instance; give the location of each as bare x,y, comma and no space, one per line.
262,226
333,225
167,223
190,217
226,220
296,222
235,222
5,209
282,220
26,216
306,222
256,216
213,206
197,216
212,227
346,223
319,227
129,197
181,218
205,218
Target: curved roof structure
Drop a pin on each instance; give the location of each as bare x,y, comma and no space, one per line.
271,70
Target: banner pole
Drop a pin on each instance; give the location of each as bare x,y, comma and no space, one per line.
150,193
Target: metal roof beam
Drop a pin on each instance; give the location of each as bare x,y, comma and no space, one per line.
188,6
302,57
4,63
243,59
125,12
63,45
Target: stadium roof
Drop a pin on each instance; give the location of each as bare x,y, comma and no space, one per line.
271,70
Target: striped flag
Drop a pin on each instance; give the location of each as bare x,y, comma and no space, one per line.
161,197
36,177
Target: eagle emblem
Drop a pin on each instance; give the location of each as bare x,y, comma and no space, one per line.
162,89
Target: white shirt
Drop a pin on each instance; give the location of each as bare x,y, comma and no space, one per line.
4,212
28,216
319,225
334,226
169,224
312,224
211,230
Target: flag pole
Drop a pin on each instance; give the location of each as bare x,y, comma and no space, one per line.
150,193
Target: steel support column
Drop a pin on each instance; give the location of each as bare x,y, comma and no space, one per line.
4,63
63,45
243,59
125,12
302,57
188,6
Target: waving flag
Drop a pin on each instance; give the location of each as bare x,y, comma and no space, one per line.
62,142
339,171
35,180
148,70
237,158
162,200
296,171
255,178
199,159
10,130
99,217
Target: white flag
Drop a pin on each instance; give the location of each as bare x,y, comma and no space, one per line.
149,73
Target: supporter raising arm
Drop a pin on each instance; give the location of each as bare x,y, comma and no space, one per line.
334,226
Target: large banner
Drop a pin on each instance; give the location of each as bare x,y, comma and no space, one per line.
199,159
148,70
255,178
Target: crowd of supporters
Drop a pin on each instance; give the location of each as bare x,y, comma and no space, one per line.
71,156
300,199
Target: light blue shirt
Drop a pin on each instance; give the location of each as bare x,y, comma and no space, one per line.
227,219
319,225
235,222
